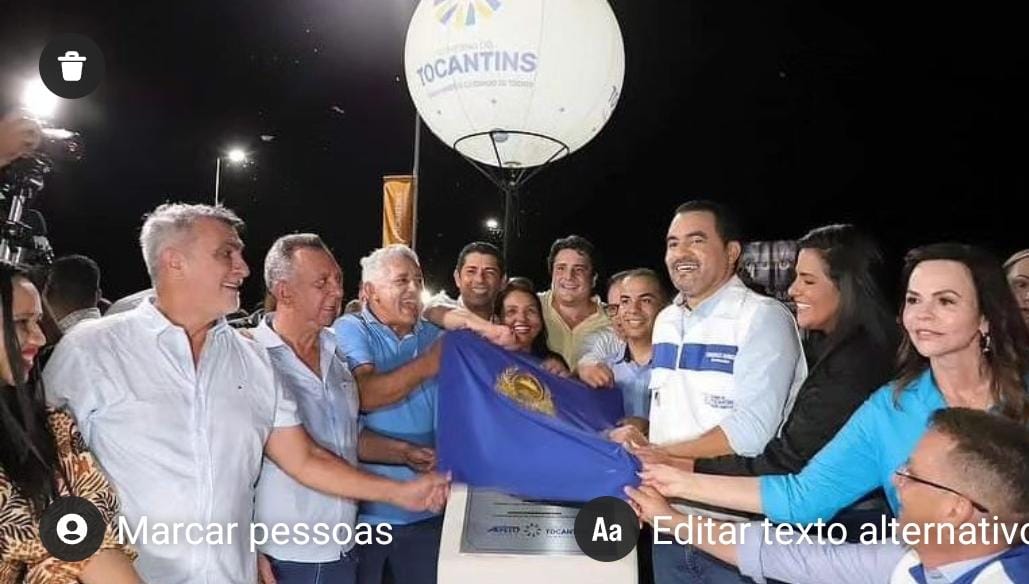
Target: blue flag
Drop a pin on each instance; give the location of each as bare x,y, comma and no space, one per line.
506,424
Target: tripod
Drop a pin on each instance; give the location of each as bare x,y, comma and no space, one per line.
18,242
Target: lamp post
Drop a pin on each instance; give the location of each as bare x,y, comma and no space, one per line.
235,156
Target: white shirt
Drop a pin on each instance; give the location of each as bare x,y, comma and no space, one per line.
992,572
328,408
442,299
602,346
181,443
735,362
73,318
876,563
129,302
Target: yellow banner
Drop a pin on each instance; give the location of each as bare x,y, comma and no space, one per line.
398,210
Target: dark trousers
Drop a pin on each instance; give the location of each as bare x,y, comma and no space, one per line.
411,557
342,571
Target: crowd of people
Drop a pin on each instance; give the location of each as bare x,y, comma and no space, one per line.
156,408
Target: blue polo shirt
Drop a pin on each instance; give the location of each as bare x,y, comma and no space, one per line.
633,380
366,341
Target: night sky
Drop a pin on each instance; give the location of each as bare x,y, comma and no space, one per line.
911,124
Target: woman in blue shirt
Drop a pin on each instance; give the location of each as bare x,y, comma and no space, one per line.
964,345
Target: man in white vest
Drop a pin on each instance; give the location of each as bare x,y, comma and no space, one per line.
727,363
964,518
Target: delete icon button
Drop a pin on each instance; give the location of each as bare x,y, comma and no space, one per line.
71,65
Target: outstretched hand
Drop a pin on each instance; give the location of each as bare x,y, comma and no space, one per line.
654,455
428,492
596,375
18,137
648,503
420,458
667,480
629,436
555,366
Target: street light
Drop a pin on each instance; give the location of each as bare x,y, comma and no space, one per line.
494,229
235,156
38,101
40,104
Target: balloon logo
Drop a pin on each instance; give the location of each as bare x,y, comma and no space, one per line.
461,13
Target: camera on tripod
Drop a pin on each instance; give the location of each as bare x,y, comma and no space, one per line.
20,241
23,235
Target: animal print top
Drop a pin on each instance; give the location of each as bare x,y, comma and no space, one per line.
22,556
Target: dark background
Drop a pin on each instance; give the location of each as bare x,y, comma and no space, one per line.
908,121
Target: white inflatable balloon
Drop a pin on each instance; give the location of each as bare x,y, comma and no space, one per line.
548,67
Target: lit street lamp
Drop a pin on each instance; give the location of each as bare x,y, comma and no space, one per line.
495,230
234,156
237,155
38,101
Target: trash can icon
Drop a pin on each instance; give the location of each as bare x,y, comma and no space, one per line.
71,66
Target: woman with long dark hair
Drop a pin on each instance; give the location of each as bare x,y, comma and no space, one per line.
518,307
42,457
964,345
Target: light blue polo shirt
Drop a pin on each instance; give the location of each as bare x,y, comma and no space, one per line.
327,404
364,340
633,380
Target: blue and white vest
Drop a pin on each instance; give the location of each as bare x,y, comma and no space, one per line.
692,383
1011,567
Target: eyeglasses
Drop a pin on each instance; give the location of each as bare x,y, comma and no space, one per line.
611,309
904,474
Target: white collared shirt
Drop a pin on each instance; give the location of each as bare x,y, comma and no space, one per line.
129,302
73,318
603,346
442,299
328,408
735,362
181,443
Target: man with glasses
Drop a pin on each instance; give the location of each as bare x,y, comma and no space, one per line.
605,344
964,496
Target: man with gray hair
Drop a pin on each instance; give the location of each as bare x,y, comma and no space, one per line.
393,354
302,275
179,408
